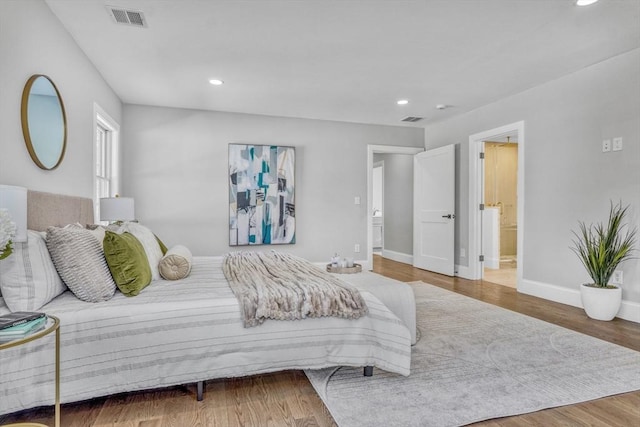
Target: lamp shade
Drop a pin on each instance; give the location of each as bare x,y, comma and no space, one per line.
117,209
14,200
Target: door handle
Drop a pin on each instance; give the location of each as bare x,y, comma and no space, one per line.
449,216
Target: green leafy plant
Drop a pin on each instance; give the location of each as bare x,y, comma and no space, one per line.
601,247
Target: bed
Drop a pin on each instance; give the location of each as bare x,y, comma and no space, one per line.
178,332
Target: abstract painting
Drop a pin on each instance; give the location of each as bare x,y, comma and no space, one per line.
261,195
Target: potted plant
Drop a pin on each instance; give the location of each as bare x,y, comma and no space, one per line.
601,247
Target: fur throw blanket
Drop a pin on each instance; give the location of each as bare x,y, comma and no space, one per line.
273,285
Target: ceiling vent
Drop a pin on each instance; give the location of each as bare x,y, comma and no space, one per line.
134,18
411,119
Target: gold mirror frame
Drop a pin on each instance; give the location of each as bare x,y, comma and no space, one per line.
24,113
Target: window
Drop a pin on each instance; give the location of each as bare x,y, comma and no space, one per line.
106,167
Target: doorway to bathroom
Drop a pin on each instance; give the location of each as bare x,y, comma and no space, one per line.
500,217
476,202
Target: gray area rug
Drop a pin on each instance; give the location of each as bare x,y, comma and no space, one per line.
475,361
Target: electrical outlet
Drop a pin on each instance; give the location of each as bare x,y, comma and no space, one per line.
463,252
606,145
356,200
356,248
617,278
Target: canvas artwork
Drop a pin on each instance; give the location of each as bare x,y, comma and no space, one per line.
261,195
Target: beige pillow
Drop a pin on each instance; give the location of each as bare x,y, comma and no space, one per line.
176,264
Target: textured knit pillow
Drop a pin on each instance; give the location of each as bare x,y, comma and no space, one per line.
149,243
176,264
80,262
127,262
28,278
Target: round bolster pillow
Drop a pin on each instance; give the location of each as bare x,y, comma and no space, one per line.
176,263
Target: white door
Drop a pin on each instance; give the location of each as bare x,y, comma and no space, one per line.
433,210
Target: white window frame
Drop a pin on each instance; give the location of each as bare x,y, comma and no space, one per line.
111,168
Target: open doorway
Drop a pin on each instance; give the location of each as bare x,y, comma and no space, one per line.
395,230
500,220
477,202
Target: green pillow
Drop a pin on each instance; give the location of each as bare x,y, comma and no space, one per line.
127,262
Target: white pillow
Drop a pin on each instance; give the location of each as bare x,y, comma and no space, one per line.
176,264
149,243
28,278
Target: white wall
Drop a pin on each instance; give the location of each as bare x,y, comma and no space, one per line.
567,177
175,165
398,202
33,41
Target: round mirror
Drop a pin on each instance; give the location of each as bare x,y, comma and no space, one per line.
44,123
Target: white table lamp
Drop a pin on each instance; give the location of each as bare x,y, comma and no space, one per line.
14,200
117,209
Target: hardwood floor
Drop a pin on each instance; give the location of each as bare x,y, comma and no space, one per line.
288,399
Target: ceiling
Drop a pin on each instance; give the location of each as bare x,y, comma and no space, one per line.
346,60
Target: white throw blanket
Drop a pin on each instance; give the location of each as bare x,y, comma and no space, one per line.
272,285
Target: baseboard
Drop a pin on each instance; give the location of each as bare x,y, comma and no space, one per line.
397,256
629,310
550,292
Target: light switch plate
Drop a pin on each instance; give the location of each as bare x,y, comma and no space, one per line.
617,144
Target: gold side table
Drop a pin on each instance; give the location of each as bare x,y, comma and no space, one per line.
52,324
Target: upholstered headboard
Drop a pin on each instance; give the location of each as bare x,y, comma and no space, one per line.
47,209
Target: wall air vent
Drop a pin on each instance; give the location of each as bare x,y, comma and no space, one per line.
134,18
411,119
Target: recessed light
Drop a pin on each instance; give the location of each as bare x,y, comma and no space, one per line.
403,102
585,2
216,82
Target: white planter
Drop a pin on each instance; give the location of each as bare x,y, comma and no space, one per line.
601,303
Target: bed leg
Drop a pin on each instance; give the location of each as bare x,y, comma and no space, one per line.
200,390
368,371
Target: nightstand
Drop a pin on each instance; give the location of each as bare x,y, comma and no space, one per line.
52,324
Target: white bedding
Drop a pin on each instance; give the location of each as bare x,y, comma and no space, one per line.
397,296
178,332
